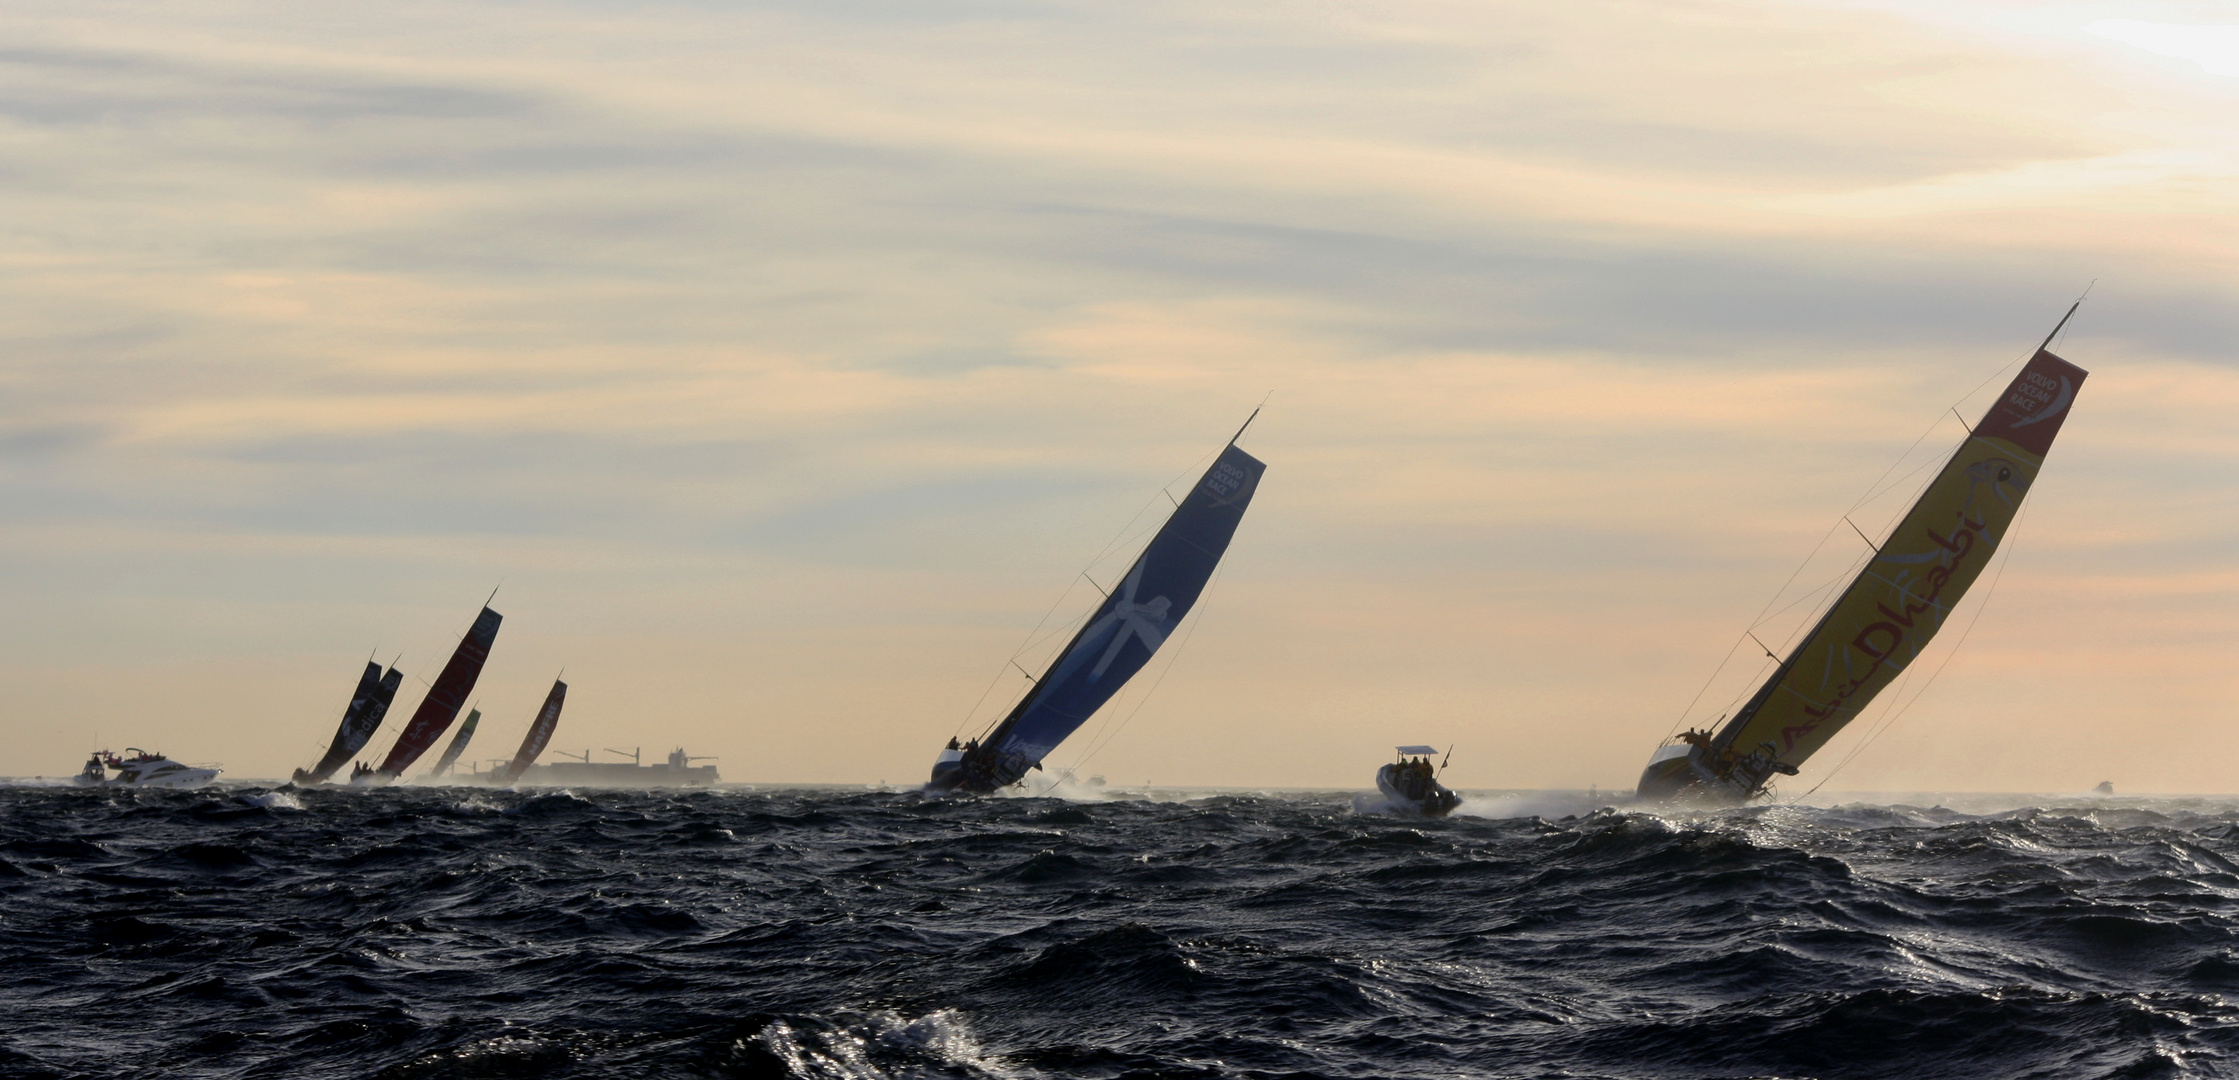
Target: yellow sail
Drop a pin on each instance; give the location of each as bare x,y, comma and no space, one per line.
1888,614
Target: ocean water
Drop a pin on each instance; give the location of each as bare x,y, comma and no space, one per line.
847,935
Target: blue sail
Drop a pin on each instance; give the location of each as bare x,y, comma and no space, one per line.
1121,636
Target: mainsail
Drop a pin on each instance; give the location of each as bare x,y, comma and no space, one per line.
458,743
369,704
539,734
441,706
1120,637
1885,617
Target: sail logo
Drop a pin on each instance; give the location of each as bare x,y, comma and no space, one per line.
1132,620
1225,479
1880,640
2040,397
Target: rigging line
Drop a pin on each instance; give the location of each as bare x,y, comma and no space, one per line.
1027,643
1873,491
1796,635
1761,644
1179,646
1844,575
2004,558
1119,540
1861,533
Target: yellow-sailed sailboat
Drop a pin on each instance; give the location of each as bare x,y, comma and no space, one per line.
1888,613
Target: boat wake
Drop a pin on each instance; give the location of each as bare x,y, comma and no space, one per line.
1535,804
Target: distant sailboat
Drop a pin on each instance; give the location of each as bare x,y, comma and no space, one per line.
441,706
1888,613
1115,643
458,743
369,704
540,734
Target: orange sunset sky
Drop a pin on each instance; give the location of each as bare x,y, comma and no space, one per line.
786,362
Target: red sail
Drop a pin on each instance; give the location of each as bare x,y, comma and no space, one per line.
444,698
540,732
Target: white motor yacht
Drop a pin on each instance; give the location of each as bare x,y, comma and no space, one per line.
139,768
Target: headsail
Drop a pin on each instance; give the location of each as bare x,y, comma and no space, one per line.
1157,591
369,704
1886,616
458,743
540,733
441,706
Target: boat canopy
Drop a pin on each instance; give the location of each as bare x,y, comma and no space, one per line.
1418,751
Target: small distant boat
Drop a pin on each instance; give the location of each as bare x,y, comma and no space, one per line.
458,743
539,736
142,769
444,699
1410,785
369,705
1882,620
2106,787
1119,638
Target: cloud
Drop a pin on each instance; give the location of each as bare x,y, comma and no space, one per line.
2214,48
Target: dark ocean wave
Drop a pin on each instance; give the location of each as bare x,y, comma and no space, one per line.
457,932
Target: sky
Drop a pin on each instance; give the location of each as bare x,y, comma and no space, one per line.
782,365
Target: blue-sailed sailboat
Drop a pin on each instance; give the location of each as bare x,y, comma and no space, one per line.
1119,638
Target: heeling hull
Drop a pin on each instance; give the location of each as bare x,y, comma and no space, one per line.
445,698
1882,621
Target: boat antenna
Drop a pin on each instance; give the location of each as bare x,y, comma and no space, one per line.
1449,757
1248,420
2064,318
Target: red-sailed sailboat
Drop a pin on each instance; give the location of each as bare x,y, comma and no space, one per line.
444,699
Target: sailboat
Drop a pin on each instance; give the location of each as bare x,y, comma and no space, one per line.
1888,613
369,704
540,734
441,706
458,743
1119,638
